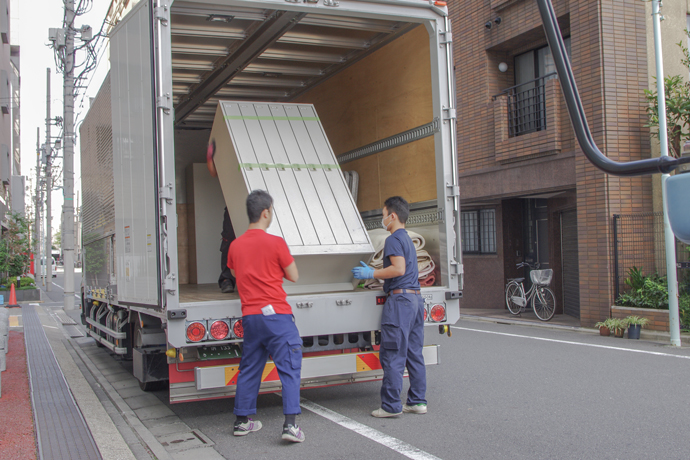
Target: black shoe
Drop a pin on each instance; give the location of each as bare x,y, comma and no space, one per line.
227,288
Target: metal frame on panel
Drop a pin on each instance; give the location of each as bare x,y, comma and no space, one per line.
165,118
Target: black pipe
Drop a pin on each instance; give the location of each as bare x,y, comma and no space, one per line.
663,164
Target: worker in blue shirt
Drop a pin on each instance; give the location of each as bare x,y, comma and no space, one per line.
402,319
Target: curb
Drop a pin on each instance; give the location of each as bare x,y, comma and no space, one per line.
648,336
125,411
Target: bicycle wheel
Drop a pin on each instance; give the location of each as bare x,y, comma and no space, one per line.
544,303
513,290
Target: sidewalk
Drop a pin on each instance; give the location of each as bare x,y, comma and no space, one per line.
16,420
48,408
84,402
563,322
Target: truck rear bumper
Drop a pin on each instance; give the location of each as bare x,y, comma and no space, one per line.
317,371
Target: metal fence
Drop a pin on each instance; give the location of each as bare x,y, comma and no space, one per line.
527,106
638,241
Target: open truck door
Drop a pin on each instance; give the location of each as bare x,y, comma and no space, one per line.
144,273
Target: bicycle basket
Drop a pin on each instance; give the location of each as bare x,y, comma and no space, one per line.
541,277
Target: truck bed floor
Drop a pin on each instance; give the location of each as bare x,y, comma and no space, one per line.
203,293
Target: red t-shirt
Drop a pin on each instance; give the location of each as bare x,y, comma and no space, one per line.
258,260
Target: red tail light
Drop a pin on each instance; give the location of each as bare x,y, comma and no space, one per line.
237,329
219,330
438,313
196,332
425,314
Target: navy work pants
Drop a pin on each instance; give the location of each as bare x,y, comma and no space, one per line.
402,340
276,335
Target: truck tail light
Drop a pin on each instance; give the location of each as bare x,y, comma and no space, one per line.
237,329
438,313
219,329
196,332
425,314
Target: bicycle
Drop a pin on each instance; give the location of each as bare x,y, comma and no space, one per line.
543,299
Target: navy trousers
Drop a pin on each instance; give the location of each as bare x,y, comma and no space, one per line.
402,340
276,335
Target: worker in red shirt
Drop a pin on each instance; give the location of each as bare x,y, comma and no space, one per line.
259,262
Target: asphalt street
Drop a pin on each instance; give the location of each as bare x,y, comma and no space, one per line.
500,392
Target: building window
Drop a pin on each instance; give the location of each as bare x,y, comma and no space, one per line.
479,231
526,99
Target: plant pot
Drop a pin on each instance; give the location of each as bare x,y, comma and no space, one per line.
605,331
634,331
620,333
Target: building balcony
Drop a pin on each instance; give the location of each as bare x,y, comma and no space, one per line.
527,120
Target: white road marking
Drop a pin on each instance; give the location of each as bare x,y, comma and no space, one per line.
63,290
632,350
395,444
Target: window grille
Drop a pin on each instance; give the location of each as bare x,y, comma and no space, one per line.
479,231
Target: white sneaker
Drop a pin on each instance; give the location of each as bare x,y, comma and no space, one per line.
381,413
414,409
243,429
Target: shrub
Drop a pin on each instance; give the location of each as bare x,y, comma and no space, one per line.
651,293
26,281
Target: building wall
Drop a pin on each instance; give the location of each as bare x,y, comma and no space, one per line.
6,72
608,52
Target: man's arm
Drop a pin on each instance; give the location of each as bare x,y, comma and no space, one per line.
395,269
291,272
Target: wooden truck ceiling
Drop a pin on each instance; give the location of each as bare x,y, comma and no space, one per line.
260,54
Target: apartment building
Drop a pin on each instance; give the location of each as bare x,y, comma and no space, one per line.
528,193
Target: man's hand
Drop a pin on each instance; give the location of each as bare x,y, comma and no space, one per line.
364,272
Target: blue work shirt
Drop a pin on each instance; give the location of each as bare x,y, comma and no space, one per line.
400,244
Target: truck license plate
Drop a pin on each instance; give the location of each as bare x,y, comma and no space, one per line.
220,352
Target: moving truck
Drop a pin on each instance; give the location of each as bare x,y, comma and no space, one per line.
330,105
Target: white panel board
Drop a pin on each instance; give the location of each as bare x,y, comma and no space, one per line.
282,148
133,159
209,207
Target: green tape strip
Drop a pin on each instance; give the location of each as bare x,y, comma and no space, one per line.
240,117
286,166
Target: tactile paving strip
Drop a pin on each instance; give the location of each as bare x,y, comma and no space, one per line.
60,429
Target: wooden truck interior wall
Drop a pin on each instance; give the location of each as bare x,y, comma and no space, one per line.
385,93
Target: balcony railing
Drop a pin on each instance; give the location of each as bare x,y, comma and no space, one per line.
527,106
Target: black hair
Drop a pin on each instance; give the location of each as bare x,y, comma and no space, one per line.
257,202
398,205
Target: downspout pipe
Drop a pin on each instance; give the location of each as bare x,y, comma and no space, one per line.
663,164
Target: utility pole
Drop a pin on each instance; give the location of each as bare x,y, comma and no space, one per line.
49,186
670,239
68,159
38,270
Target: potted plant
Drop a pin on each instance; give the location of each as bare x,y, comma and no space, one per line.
635,324
604,327
618,326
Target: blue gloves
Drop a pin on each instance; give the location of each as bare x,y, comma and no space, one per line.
364,272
